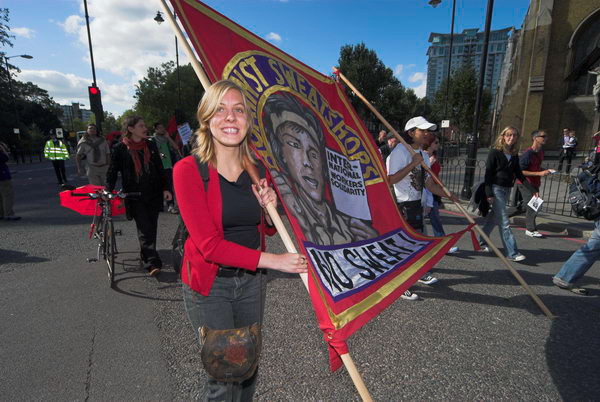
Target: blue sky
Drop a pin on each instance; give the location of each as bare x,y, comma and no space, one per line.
127,41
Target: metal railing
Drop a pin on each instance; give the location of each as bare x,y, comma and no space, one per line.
554,189
26,156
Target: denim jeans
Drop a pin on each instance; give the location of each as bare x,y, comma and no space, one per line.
232,303
530,213
435,220
582,259
498,215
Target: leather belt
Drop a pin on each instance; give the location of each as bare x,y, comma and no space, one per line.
230,272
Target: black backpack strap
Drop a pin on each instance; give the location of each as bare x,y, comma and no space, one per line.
203,169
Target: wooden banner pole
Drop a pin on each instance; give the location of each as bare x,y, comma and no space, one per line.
513,271
272,211
346,358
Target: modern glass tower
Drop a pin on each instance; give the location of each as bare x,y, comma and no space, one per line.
466,48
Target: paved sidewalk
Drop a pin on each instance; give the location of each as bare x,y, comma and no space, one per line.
567,225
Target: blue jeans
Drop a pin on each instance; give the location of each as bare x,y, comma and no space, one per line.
232,303
582,259
499,216
435,220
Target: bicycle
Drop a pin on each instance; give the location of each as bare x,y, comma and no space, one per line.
102,228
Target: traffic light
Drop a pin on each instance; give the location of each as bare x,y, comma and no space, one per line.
96,103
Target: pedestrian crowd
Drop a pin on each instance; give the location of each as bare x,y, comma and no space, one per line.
221,192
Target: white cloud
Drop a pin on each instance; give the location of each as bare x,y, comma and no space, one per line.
420,90
72,24
67,88
273,37
126,49
398,70
130,47
24,32
415,77
411,66
420,81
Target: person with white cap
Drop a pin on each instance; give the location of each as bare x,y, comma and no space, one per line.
409,179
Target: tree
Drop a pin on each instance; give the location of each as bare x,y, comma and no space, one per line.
461,99
5,37
157,94
128,112
79,125
110,123
377,83
23,105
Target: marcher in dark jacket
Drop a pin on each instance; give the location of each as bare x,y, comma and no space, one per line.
502,168
141,169
7,193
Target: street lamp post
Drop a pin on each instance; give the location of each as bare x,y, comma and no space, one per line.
159,20
435,3
10,88
472,144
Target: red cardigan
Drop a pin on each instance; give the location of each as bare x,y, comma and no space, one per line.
206,247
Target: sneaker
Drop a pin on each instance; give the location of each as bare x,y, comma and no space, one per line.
408,295
569,286
517,258
173,210
485,249
428,279
452,250
535,233
153,271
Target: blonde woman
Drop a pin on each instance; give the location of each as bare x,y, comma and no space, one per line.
501,169
223,285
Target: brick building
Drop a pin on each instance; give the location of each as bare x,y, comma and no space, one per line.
545,81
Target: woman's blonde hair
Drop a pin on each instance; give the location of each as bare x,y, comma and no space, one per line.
204,147
500,145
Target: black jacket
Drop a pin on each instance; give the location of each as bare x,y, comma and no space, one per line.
502,172
478,201
151,183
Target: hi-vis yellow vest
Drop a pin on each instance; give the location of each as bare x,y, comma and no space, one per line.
56,152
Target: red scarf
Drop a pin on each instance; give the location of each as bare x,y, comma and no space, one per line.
133,148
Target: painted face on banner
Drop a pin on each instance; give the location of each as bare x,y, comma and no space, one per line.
302,157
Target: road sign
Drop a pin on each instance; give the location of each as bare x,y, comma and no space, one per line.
445,123
59,133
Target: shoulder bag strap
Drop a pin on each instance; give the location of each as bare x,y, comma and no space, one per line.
204,173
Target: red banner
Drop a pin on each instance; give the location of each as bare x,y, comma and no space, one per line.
327,171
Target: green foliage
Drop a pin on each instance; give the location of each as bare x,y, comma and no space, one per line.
79,125
5,37
157,94
377,83
110,123
23,105
128,112
461,100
